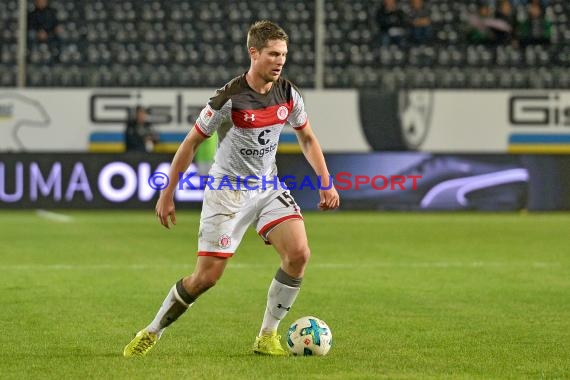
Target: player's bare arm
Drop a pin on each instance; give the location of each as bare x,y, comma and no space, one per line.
184,155
329,198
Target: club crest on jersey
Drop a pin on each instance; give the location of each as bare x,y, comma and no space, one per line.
282,113
225,241
247,117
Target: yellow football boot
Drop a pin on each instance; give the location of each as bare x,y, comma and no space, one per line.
141,344
269,345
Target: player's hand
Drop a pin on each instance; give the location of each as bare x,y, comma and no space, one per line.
329,199
165,210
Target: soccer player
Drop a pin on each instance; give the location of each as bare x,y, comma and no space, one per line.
258,103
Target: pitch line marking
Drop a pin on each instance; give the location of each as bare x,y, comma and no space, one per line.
54,216
427,265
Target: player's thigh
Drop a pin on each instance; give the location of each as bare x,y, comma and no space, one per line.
276,207
281,224
290,240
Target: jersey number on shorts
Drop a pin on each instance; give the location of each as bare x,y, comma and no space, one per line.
286,199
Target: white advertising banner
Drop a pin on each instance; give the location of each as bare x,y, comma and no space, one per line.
515,121
81,120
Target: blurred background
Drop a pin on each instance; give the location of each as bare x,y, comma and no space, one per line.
470,95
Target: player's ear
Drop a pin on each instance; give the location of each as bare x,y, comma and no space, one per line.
253,53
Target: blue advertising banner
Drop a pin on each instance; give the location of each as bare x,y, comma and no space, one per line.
382,181
423,181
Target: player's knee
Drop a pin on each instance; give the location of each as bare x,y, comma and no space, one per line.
298,256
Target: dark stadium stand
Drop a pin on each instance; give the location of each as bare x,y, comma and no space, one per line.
164,43
355,57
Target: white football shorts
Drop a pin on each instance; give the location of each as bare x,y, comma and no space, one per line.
226,215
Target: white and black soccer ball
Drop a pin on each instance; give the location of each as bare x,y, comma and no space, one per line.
309,336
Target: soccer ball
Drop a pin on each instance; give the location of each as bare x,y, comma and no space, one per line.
309,336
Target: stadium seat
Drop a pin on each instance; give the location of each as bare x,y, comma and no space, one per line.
8,75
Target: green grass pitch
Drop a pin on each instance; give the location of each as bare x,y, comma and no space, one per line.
407,296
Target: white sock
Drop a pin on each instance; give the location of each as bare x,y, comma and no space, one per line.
172,307
279,300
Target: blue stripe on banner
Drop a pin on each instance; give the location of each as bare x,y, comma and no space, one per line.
288,138
171,137
114,137
539,139
107,137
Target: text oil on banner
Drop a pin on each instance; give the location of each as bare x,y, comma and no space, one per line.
486,121
84,180
93,120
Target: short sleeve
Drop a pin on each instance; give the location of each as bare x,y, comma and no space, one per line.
298,116
210,118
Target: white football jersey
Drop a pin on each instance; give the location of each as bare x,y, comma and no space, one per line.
249,125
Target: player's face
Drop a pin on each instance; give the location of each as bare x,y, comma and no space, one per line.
270,60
